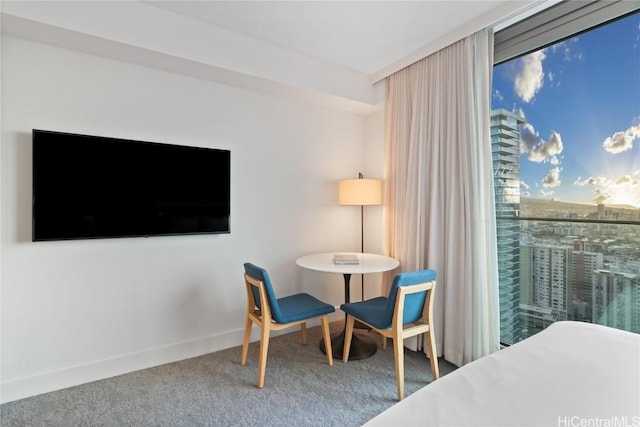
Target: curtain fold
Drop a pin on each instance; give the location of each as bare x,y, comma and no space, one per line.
439,205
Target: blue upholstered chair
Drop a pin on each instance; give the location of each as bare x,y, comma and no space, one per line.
273,314
406,312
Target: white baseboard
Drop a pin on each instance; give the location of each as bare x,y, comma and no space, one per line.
46,382
67,377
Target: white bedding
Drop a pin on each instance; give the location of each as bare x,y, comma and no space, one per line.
569,375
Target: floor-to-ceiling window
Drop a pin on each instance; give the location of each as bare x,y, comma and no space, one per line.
565,131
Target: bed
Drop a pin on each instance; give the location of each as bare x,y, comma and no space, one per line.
571,374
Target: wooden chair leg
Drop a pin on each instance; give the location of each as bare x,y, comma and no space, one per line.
245,341
326,334
264,349
398,353
303,332
348,333
433,355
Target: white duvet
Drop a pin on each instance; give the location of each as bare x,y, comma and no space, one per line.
571,374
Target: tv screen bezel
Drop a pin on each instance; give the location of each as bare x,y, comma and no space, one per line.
225,158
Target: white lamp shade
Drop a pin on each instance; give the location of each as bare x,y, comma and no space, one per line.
360,192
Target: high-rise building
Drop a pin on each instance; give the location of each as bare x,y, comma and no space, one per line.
583,265
544,275
526,276
505,148
534,319
551,276
616,300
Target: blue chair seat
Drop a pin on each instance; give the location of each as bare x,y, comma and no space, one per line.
370,311
273,314
302,306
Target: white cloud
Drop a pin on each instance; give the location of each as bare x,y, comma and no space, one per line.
530,76
543,193
598,181
556,46
540,150
568,53
524,185
497,95
622,140
570,56
521,112
617,143
602,199
547,149
552,179
602,196
528,138
627,180
623,190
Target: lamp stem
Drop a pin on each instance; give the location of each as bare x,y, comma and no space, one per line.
362,246
362,228
360,176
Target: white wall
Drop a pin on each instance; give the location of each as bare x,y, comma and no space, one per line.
76,311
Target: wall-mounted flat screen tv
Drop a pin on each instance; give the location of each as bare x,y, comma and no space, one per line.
92,187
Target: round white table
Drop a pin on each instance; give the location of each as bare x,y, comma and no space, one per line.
361,346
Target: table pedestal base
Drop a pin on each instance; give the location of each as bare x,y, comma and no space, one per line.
361,346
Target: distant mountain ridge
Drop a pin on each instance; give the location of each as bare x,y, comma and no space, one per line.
534,207
633,208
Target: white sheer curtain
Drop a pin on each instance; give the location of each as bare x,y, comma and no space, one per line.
439,206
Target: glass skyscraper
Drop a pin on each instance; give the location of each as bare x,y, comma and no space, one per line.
505,148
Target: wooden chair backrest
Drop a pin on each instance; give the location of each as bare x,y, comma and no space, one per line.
262,308
427,310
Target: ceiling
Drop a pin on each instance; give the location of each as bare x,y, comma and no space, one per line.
332,53
364,36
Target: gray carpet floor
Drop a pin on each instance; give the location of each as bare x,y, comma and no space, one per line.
301,389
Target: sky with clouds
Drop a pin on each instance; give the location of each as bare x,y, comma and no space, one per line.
581,102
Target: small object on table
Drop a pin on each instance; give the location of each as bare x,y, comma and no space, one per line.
346,259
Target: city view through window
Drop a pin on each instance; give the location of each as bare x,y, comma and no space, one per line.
565,133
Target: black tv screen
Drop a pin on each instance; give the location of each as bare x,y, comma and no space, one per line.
89,187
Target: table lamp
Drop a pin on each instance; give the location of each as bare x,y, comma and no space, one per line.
362,192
